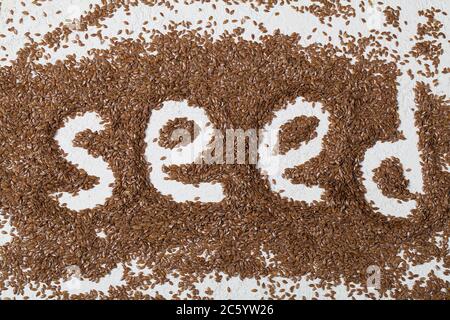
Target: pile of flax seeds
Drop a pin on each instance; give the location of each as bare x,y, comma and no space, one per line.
240,82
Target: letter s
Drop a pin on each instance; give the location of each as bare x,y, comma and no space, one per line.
85,199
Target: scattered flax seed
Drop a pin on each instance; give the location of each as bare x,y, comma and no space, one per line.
391,181
297,131
239,84
175,131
